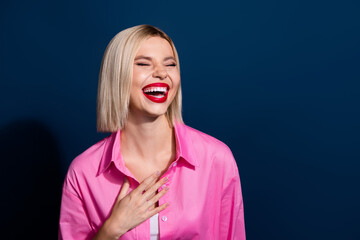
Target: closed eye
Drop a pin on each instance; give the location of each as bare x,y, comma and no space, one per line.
142,64
171,65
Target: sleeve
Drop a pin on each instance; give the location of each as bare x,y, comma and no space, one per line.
74,223
232,225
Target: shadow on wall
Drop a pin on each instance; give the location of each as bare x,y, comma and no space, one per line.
31,181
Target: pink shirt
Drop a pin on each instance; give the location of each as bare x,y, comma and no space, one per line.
204,191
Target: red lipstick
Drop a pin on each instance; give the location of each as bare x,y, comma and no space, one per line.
156,92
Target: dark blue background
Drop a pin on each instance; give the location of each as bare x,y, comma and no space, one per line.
277,81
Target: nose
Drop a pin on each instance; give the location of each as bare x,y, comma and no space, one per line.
159,72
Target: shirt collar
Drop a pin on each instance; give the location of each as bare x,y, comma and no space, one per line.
112,150
184,144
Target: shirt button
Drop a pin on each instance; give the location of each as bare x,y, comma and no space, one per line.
174,165
164,218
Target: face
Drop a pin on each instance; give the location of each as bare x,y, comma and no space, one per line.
156,78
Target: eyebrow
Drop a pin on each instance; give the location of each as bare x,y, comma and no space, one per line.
149,58
142,57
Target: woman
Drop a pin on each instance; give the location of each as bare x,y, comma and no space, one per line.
153,177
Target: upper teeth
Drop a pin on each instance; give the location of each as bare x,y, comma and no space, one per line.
155,89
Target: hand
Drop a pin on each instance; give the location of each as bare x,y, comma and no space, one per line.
134,208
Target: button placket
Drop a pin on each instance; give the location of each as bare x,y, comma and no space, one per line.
165,216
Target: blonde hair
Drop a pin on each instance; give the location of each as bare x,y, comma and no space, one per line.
116,76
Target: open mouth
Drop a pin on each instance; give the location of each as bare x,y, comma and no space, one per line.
156,92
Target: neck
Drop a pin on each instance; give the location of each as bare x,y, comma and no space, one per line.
147,140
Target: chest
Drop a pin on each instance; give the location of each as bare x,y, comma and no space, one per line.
194,204
193,210
141,169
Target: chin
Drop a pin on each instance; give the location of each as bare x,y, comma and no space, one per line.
156,113
149,109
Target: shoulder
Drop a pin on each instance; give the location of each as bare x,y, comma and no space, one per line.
205,141
90,157
212,155
208,147
86,164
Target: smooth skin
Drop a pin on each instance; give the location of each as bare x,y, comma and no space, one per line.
148,142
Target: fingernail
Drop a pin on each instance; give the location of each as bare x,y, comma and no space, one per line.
166,179
166,188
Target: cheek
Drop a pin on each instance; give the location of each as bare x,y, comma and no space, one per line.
177,83
139,77
175,89
175,77
136,80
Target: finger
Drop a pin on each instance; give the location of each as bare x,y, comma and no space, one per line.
151,184
158,209
153,190
148,182
157,196
124,189
150,193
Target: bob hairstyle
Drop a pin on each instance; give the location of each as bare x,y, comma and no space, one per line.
116,76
